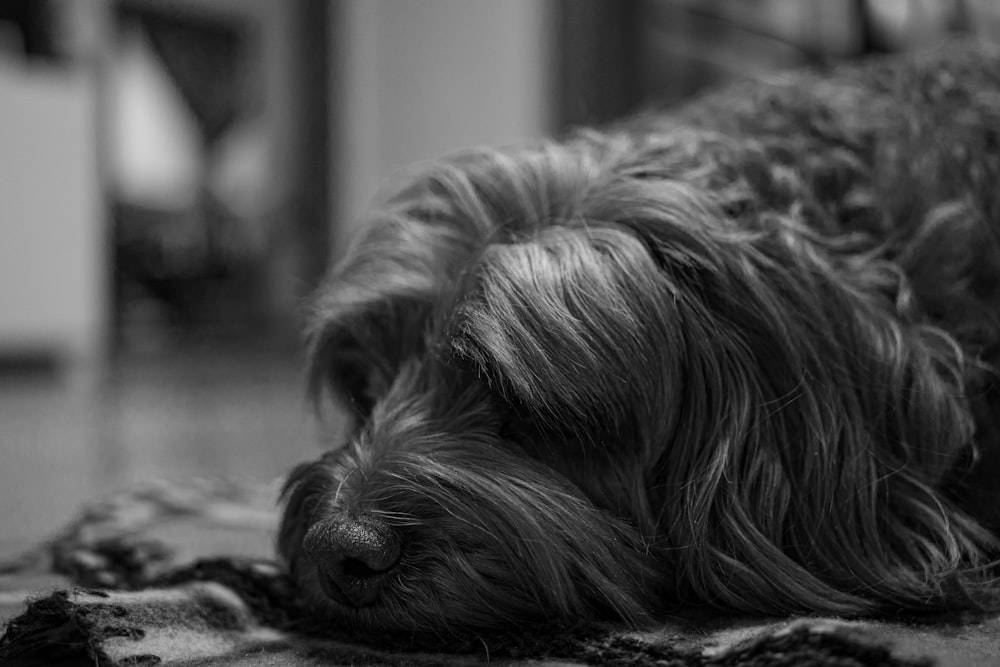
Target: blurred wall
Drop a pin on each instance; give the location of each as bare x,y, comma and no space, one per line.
415,80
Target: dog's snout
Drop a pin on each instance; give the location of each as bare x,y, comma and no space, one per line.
353,556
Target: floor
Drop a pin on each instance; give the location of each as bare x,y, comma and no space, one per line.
64,440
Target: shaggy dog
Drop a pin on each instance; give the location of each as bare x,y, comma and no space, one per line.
738,355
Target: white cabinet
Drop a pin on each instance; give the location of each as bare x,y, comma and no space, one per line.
53,234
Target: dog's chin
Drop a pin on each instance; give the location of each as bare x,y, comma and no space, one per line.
488,542
386,616
412,603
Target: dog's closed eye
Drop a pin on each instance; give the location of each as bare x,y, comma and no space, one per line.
355,387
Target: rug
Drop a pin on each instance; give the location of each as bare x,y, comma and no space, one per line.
181,574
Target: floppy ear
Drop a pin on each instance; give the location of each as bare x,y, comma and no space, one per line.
561,322
817,418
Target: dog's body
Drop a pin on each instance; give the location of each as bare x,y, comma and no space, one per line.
737,355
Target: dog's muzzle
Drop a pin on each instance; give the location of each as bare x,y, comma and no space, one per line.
353,556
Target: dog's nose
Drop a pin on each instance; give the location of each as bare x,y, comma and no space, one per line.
353,556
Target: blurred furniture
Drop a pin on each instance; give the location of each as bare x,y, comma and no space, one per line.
52,254
220,201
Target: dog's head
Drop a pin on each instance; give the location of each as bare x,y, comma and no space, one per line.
592,380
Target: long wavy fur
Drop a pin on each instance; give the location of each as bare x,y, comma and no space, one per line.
739,355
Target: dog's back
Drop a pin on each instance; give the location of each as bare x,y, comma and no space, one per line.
904,151
897,158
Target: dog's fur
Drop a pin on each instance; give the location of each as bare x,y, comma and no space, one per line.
737,355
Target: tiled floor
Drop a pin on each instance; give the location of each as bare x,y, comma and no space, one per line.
63,442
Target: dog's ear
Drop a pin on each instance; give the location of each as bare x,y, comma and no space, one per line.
818,413
563,322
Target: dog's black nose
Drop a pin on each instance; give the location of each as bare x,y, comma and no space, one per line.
353,556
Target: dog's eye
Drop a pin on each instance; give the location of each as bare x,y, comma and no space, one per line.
356,388
364,400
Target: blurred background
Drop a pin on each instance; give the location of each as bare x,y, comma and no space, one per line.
175,175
